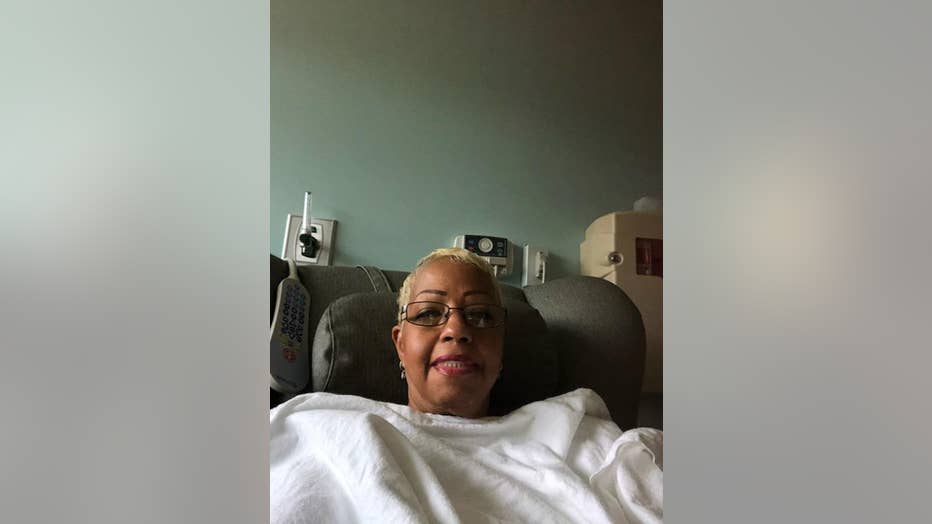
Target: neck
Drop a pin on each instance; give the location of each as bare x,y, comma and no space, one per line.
466,411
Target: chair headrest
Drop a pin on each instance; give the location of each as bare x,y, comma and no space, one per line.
353,353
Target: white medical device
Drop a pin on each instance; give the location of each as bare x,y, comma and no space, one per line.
626,249
497,251
288,344
309,236
308,240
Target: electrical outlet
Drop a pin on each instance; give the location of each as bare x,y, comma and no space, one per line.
535,265
324,233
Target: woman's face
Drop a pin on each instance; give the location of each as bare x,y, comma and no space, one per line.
452,367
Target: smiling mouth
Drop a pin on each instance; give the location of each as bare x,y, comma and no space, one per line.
455,367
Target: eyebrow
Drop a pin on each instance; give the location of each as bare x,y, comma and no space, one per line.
444,293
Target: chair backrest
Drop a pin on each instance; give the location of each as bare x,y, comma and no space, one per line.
575,331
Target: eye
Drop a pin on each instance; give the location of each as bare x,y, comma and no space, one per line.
428,314
479,315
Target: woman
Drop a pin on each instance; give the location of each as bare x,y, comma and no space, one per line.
450,332
341,458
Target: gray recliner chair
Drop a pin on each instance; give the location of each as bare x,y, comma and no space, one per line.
565,334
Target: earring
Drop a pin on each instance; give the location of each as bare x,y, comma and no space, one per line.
402,367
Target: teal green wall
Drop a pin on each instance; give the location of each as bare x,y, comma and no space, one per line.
412,122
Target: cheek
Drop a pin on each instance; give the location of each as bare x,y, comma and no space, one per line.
492,345
417,348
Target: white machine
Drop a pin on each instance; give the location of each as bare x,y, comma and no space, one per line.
626,249
498,251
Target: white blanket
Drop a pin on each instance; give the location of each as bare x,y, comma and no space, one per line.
341,458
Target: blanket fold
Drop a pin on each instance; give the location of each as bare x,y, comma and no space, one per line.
342,458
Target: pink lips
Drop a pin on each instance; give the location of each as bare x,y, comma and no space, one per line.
454,365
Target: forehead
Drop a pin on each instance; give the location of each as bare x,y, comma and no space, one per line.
451,276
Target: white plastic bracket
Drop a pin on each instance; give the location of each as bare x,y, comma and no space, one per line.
322,230
535,265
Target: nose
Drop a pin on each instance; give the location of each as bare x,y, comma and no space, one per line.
456,329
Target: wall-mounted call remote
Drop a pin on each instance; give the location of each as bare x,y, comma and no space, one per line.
288,343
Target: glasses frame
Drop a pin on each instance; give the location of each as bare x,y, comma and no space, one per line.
449,310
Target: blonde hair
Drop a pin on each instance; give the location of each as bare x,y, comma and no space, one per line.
454,254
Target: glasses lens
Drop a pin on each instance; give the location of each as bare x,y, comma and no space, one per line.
437,313
484,315
426,313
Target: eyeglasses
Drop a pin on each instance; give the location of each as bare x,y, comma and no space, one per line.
437,313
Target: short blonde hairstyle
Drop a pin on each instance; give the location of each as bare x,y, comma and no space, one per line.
454,254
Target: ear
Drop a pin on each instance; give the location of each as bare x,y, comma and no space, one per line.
396,334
